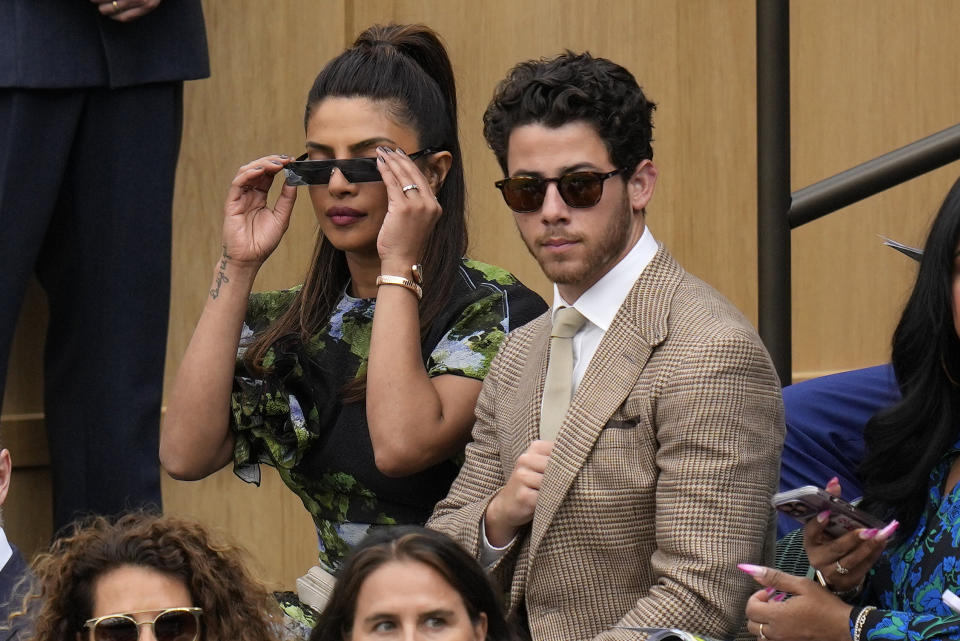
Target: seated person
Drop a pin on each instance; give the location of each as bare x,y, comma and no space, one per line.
358,386
627,443
108,579
411,583
14,569
881,586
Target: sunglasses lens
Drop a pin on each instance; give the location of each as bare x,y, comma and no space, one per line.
175,626
581,189
116,629
308,172
318,172
359,170
523,193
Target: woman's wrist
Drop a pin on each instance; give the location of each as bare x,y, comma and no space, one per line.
231,275
398,267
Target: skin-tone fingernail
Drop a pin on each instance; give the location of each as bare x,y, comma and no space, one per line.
823,516
283,155
866,535
259,167
401,151
752,570
277,162
780,597
886,532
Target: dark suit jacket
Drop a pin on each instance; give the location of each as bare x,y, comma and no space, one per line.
660,478
14,570
47,44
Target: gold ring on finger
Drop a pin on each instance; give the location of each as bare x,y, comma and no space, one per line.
116,6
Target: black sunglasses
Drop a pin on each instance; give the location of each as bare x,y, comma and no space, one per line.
173,624
356,170
524,194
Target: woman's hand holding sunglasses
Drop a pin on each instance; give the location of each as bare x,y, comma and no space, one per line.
251,229
412,210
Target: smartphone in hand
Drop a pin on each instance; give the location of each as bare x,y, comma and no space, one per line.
804,503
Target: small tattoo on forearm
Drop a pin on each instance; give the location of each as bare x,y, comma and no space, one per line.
221,275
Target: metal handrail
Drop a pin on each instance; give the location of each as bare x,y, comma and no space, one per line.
779,211
872,177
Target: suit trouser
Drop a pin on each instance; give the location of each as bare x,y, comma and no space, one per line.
86,189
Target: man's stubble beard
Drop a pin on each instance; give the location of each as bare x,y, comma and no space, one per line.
599,257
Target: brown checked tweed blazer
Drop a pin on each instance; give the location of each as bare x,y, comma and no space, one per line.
660,479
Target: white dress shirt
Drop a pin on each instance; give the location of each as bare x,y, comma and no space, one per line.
599,305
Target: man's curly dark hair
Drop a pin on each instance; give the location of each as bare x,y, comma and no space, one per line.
235,605
573,87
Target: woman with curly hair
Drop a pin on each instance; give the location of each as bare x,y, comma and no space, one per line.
109,580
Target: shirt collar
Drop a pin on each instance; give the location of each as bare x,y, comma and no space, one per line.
5,550
600,303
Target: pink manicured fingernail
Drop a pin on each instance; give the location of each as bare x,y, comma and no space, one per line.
770,591
823,516
833,481
869,534
752,570
885,533
780,597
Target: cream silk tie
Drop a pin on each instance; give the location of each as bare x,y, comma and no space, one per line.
559,383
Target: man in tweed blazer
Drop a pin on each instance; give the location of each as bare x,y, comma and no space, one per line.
659,480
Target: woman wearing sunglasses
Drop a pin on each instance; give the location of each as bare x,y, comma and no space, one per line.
144,575
358,387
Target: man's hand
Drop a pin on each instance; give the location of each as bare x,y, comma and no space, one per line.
125,10
513,506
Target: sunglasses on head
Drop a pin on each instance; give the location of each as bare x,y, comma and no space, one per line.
173,624
524,194
356,170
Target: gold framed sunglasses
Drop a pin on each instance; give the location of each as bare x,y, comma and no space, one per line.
172,624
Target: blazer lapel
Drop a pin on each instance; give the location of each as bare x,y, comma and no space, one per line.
639,326
530,391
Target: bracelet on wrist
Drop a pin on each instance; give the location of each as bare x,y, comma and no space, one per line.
386,279
859,620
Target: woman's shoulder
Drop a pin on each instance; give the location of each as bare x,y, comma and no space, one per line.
482,290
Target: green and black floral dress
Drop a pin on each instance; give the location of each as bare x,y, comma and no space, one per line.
295,420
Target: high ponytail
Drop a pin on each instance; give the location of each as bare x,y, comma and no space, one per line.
405,67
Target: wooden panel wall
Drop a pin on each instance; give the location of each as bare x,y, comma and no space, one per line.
868,76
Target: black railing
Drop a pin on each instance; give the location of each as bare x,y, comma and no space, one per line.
779,211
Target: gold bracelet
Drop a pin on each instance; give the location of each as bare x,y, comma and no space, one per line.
861,619
402,282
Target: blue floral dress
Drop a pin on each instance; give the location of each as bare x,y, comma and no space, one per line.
295,420
907,582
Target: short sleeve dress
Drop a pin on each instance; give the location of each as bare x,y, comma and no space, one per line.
294,419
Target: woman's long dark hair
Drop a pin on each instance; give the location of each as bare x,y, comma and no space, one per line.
412,543
904,443
406,67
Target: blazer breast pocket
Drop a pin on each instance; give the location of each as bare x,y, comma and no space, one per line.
620,433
